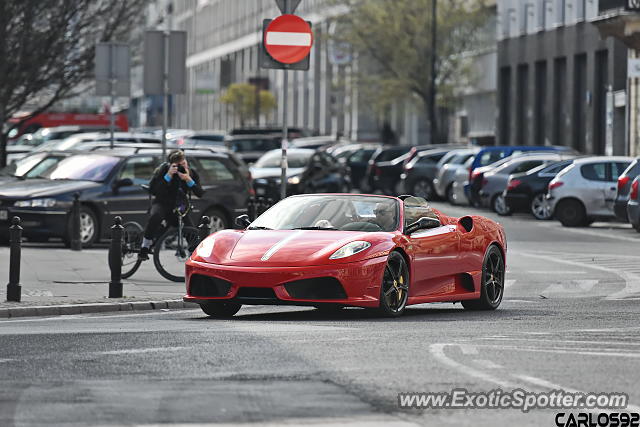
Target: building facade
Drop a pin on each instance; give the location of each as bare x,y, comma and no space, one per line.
559,81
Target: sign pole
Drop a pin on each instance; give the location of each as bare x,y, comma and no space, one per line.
165,89
112,87
285,129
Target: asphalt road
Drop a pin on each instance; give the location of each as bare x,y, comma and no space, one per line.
569,321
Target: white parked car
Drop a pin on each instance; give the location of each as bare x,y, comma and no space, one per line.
586,190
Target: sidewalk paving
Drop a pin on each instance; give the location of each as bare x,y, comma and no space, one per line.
60,281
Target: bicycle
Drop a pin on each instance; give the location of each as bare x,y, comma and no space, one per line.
171,247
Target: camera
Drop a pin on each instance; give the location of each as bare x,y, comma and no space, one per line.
181,169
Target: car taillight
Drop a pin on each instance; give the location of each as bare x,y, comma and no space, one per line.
622,181
634,190
475,174
513,183
555,185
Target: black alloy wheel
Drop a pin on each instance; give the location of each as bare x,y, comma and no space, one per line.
492,285
394,291
220,309
423,188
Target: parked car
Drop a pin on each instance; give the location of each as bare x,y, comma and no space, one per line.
460,180
585,190
447,168
624,188
526,191
420,170
309,171
85,141
495,181
385,158
633,206
109,185
358,162
251,147
489,155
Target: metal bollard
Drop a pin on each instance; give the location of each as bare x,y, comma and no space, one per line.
204,229
115,259
76,243
14,290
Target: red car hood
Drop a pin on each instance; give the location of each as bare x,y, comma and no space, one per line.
282,248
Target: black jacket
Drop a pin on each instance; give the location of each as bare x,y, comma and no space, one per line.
175,191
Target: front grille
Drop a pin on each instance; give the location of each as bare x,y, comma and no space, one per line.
256,293
317,288
205,286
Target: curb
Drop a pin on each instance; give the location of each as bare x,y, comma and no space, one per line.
68,309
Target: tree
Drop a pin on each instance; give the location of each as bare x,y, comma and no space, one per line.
393,42
47,50
242,98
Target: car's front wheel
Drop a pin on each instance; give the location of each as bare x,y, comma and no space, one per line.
220,309
394,290
88,228
492,284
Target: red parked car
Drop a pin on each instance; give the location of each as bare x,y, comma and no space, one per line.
336,250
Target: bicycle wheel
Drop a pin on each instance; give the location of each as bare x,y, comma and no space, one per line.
131,242
170,253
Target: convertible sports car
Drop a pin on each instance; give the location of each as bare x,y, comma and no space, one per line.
336,250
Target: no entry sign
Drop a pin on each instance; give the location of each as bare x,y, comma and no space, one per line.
288,39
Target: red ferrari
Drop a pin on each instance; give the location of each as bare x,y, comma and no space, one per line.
337,250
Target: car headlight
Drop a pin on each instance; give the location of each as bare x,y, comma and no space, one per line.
36,203
205,248
295,180
350,249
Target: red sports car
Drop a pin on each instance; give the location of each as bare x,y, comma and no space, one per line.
336,250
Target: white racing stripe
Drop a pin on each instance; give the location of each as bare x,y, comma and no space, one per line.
280,244
276,38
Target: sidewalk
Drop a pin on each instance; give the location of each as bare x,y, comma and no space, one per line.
60,281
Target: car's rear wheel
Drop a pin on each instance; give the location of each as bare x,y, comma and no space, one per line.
394,290
424,188
220,309
540,208
499,205
492,284
217,220
571,213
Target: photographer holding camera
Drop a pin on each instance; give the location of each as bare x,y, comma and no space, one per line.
171,184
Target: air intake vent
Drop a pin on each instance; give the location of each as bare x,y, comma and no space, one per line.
256,293
205,286
317,288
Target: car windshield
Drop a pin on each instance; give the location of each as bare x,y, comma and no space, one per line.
294,159
331,212
85,167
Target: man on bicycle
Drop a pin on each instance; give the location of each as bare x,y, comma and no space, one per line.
171,184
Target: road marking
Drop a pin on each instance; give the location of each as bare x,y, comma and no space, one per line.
437,351
631,281
566,350
468,349
486,363
562,341
139,350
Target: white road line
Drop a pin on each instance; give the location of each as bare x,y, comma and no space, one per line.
486,363
553,341
567,350
437,351
468,349
631,281
140,350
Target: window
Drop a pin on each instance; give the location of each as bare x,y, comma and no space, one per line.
138,169
594,171
560,12
617,168
361,156
553,169
213,170
525,166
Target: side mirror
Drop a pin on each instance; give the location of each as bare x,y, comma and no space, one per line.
243,221
422,223
124,182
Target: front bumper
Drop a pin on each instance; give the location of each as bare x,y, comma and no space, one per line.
35,222
360,281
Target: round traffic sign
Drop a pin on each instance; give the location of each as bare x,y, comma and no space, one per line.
288,39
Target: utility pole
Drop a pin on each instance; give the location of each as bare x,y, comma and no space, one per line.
433,124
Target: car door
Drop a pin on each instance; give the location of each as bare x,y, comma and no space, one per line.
594,189
131,202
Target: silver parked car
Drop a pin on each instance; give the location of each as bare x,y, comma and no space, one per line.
443,182
495,181
585,191
460,181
